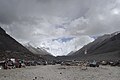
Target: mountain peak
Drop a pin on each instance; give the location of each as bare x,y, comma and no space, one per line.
37,50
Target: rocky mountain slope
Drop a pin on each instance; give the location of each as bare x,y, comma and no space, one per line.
37,50
71,53
10,48
40,51
106,47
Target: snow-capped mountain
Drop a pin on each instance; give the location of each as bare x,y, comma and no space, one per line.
40,51
106,47
10,48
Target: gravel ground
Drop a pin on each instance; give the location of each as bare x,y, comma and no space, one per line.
58,72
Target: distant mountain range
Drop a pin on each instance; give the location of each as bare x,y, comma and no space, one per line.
40,51
106,47
37,50
10,48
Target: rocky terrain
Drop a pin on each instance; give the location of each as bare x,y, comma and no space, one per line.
58,72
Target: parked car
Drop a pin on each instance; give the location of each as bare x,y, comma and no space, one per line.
9,64
93,64
114,63
104,62
58,62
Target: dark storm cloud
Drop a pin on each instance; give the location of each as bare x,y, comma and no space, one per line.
43,20
100,14
7,11
12,10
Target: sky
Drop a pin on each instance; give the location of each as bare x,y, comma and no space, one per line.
59,26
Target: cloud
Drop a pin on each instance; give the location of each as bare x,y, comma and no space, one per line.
63,46
51,22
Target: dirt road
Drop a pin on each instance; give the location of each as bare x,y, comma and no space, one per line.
58,72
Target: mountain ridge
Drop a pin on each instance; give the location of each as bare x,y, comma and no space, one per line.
10,48
37,50
106,47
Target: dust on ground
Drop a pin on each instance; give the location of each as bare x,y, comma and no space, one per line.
58,72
